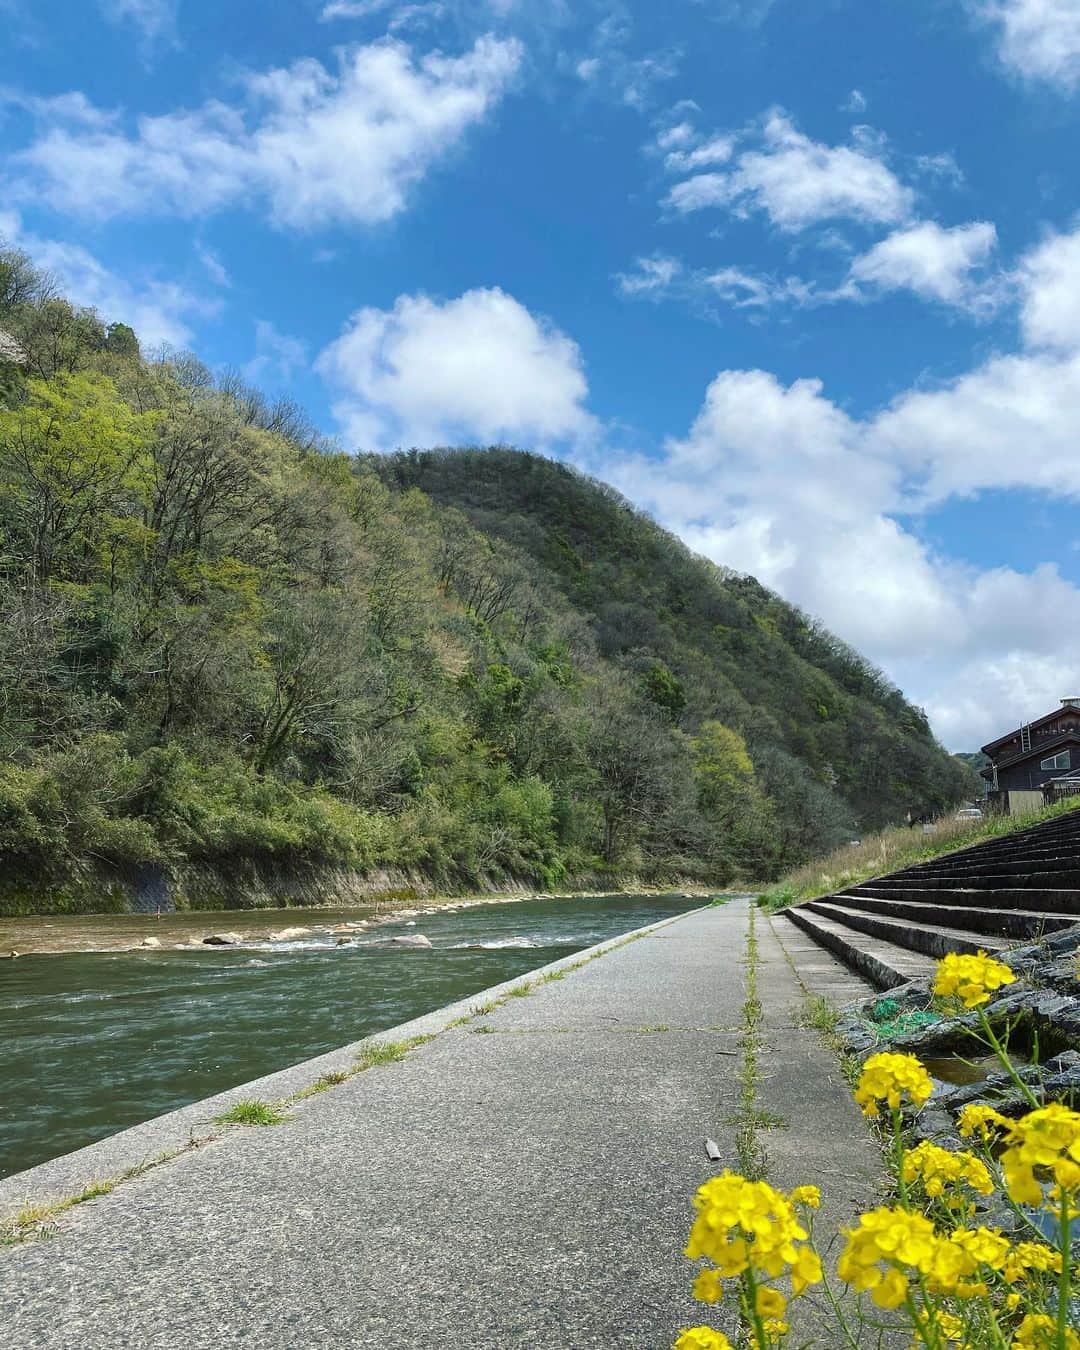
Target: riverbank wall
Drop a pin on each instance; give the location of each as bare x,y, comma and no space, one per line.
246,884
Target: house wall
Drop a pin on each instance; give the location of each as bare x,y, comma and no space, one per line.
1027,776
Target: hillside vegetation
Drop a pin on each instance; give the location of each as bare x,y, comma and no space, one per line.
222,639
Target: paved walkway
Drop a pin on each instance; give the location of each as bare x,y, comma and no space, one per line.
523,1180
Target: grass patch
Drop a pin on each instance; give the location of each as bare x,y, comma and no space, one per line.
36,1220
322,1084
483,1031
753,1160
894,848
522,991
253,1112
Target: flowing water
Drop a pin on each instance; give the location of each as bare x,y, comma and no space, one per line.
94,1041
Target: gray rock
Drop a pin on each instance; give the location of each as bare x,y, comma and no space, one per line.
222,940
150,942
411,940
288,934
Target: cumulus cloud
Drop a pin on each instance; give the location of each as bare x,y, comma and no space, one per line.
159,311
798,182
478,368
933,262
317,146
1038,39
1050,282
777,480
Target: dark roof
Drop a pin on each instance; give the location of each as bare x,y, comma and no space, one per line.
1038,722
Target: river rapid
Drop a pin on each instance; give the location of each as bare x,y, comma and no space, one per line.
94,1041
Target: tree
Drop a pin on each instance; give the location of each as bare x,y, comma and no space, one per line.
75,465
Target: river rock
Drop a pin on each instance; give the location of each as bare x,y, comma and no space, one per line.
412,940
288,934
150,942
222,940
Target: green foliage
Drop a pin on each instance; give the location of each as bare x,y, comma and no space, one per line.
221,640
253,1112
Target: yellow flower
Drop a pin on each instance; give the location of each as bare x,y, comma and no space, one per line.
1039,1332
806,1195
971,979
890,1078
1027,1256
702,1338
770,1302
741,1222
983,1121
805,1270
708,1286
950,1327
938,1169
1047,1139
986,1246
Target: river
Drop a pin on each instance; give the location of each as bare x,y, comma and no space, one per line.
94,1041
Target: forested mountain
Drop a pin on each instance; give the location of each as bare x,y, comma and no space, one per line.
222,639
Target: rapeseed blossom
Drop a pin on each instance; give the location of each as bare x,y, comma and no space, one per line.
702,1338
742,1222
1028,1256
939,1169
983,1121
971,979
1047,1139
1039,1332
892,1078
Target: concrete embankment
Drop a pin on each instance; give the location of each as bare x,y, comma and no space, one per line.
523,1178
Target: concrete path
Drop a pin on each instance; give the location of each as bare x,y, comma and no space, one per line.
522,1180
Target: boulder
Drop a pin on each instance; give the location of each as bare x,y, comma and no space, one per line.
288,934
411,940
150,942
222,940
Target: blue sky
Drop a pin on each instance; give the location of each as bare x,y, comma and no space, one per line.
802,278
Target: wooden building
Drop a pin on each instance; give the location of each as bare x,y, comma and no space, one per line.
1027,764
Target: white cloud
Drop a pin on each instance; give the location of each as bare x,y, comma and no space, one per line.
277,356
716,150
777,480
477,368
1038,39
318,146
215,268
155,19
651,276
1050,280
159,311
934,262
856,102
798,182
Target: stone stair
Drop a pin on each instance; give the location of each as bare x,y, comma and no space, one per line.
894,928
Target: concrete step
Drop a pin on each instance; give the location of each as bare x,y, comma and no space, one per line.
999,862
1063,903
960,910
932,939
999,868
819,971
882,964
1061,882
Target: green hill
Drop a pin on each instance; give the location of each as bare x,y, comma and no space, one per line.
224,643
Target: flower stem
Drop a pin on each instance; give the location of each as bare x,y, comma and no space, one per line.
1004,1060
